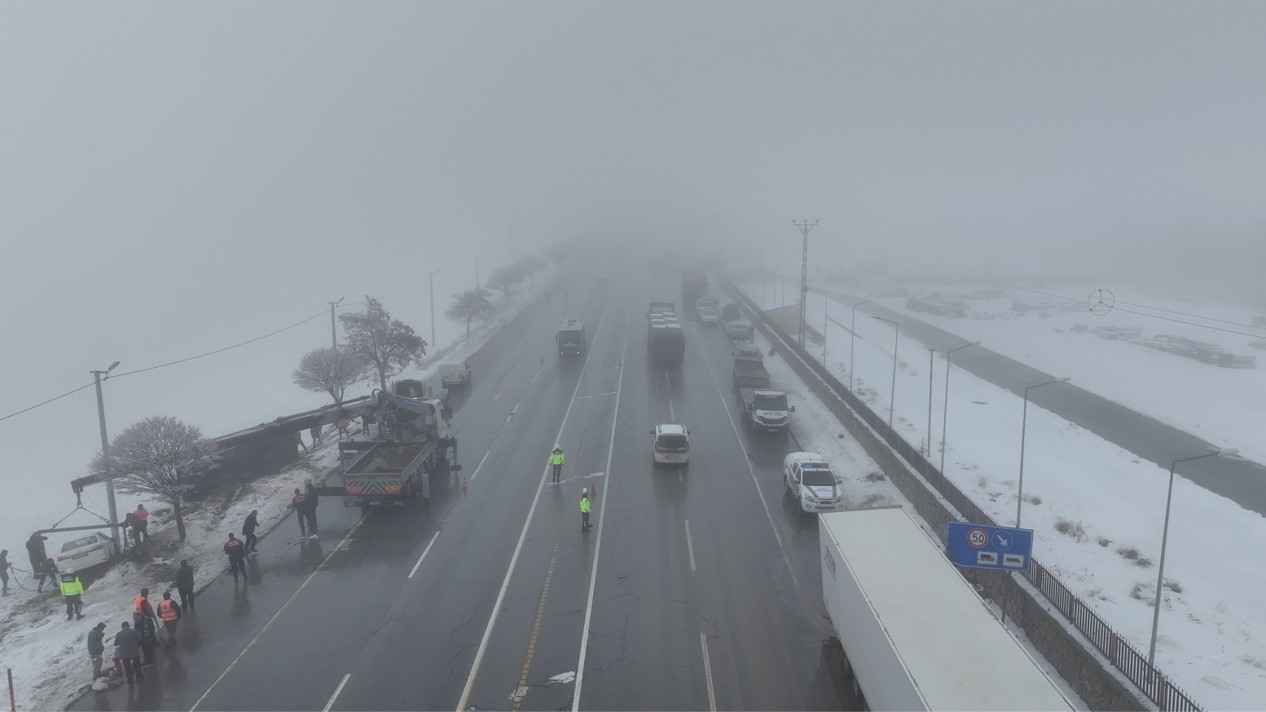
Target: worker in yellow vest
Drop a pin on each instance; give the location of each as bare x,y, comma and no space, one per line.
556,460
73,591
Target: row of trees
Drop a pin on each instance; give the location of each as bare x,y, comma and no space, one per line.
164,457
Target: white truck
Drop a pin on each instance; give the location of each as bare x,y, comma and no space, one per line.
453,375
915,634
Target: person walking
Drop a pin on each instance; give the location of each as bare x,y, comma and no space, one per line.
299,441
248,531
342,427
305,510
146,636
184,585
309,490
169,613
237,556
315,433
584,509
35,550
128,648
96,648
4,570
142,522
72,591
556,460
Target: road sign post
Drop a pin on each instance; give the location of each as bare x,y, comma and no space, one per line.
981,546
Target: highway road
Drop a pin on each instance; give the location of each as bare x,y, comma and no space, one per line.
1240,480
697,588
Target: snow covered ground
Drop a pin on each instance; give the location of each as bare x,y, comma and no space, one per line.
1097,511
47,653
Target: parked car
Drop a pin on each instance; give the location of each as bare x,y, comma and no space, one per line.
709,315
810,480
670,444
86,552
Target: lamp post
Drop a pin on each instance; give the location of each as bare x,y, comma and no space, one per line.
852,342
432,276
892,397
945,404
805,228
931,356
826,317
1160,574
1019,499
99,376
333,334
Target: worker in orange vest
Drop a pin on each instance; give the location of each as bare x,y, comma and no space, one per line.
142,605
169,612
142,518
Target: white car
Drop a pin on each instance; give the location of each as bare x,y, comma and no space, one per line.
708,315
810,480
670,444
86,552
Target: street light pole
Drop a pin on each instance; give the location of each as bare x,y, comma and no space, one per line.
931,356
432,276
805,228
945,404
892,397
826,317
334,334
852,342
1019,499
98,376
1160,574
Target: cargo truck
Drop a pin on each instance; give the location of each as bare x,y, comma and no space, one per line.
398,469
665,339
915,634
764,408
571,338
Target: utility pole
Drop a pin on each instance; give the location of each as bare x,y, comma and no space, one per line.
805,227
432,276
98,376
476,273
333,333
931,356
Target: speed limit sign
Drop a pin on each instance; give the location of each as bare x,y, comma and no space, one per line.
978,538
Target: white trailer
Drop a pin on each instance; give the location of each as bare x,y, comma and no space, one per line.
915,634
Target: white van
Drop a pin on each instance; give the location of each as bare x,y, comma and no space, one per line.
454,374
670,444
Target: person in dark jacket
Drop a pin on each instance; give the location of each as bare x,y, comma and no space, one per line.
35,550
49,569
147,637
129,651
237,556
248,530
4,570
184,585
96,648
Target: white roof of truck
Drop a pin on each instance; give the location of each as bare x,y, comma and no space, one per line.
954,649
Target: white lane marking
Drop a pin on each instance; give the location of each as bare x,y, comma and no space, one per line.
707,673
690,547
597,395
464,702
281,610
479,466
425,551
337,690
725,406
671,418
511,414
597,550
667,381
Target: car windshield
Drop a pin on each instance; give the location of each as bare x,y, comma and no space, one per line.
79,543
672,442
818,478
763,402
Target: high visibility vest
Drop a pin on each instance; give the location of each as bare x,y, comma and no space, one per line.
584,505
138,606
167,610
141,514
556,458
298,500
71,586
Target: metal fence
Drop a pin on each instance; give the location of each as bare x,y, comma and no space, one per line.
1123,656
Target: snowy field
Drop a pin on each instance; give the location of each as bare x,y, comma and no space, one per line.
1097,511
47,653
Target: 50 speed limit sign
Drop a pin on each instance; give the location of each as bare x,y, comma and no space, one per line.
978,538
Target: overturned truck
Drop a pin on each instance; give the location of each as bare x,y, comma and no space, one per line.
415,443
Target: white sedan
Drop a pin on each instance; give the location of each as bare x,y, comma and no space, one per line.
809,479
86,552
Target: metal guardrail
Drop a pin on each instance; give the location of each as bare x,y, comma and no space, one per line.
1149,680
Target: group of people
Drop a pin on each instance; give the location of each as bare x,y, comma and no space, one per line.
136,641
556,470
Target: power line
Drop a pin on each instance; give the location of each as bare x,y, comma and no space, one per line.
50,400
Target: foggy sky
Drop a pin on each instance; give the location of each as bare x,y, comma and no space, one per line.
178,177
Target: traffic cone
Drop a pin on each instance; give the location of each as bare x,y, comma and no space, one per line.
465,484
593,491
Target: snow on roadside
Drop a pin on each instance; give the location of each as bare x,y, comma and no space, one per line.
48,654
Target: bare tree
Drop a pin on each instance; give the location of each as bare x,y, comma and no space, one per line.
387,346
504,278
468,306
160,456
329,370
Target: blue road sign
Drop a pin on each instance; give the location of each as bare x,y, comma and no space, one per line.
981,546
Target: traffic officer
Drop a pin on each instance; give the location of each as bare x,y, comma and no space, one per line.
584,509
556,459
73,590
